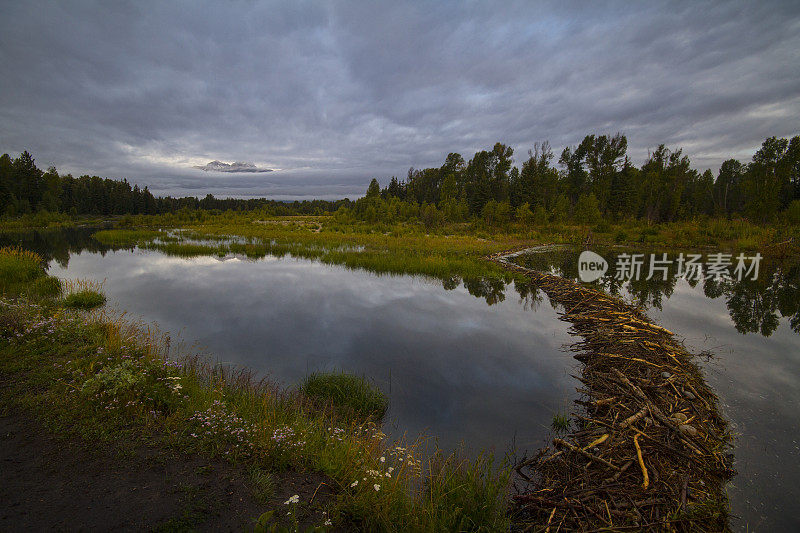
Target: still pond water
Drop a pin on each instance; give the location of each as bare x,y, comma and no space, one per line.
475,362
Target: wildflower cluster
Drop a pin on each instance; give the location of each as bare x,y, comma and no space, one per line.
286,437
133,383
337,433
401,456
216,424
374,476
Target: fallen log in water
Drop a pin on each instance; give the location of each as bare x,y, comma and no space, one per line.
646,403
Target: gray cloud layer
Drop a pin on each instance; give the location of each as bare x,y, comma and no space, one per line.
335,93
236,166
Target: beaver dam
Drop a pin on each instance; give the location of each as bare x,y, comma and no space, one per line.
650,448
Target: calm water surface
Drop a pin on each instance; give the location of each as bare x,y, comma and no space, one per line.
473,362
454,367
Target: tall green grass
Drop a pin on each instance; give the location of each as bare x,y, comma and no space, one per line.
22,272
354,396
82,294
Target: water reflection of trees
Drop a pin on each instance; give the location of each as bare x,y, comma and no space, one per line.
755,306
57,244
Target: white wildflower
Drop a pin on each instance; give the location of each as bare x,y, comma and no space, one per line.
376,487
293,499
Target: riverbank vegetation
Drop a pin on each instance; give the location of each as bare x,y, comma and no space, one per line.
100,377
355,396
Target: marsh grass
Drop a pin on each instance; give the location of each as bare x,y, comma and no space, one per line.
22,273
560,422
101,376
125,237
183,249
451,488
18,266
354,396
444,253
82,294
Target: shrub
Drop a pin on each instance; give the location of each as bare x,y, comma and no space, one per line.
540,216
792,212
587,210
353,395
523,214
602,227
496,213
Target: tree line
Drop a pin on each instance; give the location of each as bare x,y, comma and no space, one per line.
590,181
24,189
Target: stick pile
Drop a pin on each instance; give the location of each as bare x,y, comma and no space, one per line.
649,448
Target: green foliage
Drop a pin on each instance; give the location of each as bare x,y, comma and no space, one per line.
18,269
524,215
664,189
353,395
587,210
793,212
84,299
135,383
431,217
540,216
183,249
44,287
560,423
466,495
263,483
496,214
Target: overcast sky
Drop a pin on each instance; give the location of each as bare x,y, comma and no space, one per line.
331,94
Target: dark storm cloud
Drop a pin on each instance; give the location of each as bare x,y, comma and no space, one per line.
332,94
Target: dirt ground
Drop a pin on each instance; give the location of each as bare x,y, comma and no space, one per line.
49,483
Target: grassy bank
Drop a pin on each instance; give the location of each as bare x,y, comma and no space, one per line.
449,250
100,377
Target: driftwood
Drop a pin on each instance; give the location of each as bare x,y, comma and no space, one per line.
644,403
